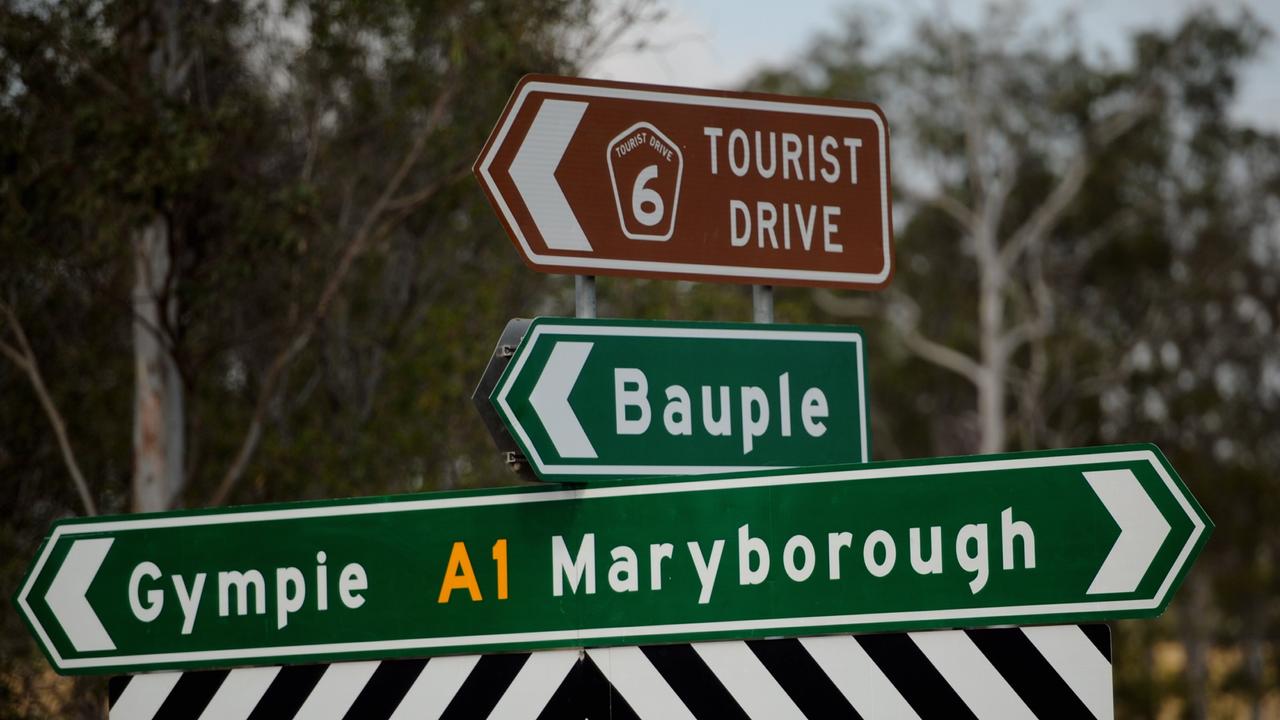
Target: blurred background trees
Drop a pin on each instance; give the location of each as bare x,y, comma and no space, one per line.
242,260
1088,252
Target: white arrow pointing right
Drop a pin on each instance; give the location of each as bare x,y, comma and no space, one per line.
66,595
1142,531
534,172
550,399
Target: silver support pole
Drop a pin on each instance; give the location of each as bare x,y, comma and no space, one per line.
584,296
762,303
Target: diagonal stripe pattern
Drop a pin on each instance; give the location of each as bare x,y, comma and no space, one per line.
1035,672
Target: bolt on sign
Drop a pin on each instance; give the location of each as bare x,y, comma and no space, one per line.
1064,536
597,400
594,177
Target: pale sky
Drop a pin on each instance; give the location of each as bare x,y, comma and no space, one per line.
716,43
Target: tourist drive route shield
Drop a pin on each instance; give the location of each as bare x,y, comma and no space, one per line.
594,177
597,400
1031,538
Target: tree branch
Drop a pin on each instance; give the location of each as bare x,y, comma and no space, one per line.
964,216
1031,399
412,200
1050,211
847,307
609,31
14,355
68,52
941,355
1022,333
355,247
974,137
903,315
25,359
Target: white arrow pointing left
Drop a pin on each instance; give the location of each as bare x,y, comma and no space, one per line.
66,595
1142,531
550,399
534,172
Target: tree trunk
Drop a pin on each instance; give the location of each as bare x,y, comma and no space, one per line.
158,430
159,437
993,374
1195,638
1255,661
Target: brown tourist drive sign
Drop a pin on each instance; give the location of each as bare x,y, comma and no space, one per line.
593,177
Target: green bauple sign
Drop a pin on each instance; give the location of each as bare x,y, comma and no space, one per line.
1056,537
590,400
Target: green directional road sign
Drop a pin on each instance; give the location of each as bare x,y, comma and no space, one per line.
1051,537
589,400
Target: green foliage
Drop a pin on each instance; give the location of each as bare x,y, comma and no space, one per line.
265,147
1161,280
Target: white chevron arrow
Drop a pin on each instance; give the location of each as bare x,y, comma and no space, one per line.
534,173
1142,531
66,595
550,399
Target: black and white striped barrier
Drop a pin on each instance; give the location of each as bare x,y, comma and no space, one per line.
1005,673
